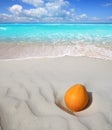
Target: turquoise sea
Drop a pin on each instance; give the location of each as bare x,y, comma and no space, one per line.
83,37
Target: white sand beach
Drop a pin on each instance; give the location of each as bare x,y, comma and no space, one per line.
32,91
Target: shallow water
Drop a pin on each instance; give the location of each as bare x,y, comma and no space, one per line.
18,40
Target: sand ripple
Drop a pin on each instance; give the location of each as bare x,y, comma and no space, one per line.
31,94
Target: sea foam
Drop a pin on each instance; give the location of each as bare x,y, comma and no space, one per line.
39,51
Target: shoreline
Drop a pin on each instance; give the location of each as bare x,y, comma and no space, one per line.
8,52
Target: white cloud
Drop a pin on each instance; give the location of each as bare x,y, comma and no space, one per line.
95,19
11,18
5,17
53,10
109,18
107,4
16,9
52,6
34,2
83,16
49,11
38,12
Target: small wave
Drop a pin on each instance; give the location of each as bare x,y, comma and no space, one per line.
3,28
38,51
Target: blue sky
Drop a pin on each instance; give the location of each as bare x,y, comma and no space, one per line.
55,11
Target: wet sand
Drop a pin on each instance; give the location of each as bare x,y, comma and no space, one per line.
23,51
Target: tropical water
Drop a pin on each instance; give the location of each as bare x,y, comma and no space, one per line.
36,40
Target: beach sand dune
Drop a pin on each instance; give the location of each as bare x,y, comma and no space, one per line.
32,91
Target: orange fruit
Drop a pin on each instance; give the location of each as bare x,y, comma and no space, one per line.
76,98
